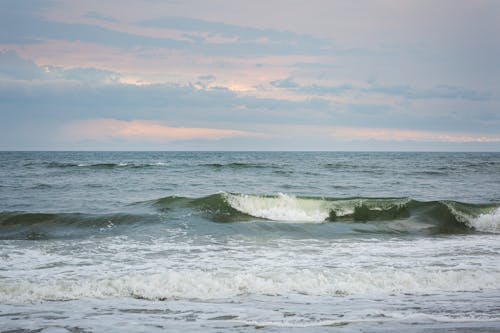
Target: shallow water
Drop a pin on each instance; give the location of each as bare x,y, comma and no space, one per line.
234,241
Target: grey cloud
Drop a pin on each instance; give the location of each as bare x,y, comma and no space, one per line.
242,33
194,38
327,90
87,75
437,92
314,89
286,83
209,78
406,91
67,101
14,67
55,102
96,16
26,27
94,92
204,81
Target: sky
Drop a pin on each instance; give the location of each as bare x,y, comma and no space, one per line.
250,75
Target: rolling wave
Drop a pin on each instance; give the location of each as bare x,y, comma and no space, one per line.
39,226
128,165
440,216
232,165
135,165
372,215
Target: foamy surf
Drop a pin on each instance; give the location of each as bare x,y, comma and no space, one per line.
221,283
283,208
487,222
290,208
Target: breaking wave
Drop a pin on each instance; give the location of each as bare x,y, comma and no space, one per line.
441,216
378,215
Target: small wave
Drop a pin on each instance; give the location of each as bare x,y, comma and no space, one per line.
283,172
431,173
340,165
81,165
61,165
480,164
238,165
106,165
41,186
36,226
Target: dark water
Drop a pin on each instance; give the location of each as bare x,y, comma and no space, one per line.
234,241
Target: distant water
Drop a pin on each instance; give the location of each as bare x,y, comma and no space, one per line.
239,241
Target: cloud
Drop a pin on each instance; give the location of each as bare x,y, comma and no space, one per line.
287,83
25,26
84,75
385,134
313,89
204,37
204,81
96,16
237,33
90,93
340,65
437,92
57,94
209,78
14,67
141,130
441,91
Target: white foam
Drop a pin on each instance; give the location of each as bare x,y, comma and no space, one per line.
221,284
289,208
281,208
487,222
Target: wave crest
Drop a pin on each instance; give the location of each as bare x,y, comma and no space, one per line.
438,216
487,222
380,215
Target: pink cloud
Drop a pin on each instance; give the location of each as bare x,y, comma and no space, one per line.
385,134
138,130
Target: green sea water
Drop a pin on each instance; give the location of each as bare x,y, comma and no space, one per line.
238,241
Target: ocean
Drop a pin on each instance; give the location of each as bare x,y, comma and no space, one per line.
239,241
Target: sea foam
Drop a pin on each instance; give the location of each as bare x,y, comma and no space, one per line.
281,207
221,284
487,222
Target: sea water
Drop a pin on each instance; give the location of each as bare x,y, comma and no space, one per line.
239,241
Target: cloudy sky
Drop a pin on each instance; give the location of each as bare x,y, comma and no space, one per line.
250,75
